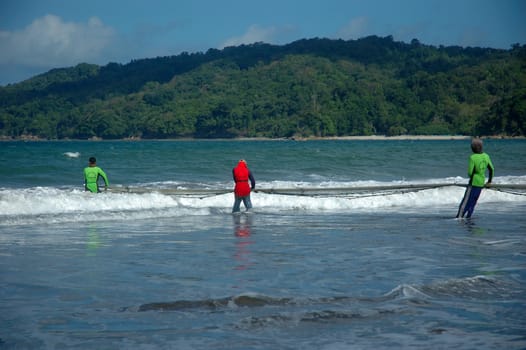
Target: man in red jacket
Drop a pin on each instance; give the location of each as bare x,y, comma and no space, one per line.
242,175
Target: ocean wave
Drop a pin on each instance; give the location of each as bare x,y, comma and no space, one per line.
474,287
72,154
52,204
242,300
294,310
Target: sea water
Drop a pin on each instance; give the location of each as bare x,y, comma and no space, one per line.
153,269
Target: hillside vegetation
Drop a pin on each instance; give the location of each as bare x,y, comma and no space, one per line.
314,87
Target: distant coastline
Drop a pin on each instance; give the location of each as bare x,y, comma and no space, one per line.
399,137
310,138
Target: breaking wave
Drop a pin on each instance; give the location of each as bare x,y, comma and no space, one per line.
53,204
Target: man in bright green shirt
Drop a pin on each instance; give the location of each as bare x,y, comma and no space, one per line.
91,176
478,163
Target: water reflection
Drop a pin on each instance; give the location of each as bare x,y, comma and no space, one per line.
472,227
243,230
242,225
93,242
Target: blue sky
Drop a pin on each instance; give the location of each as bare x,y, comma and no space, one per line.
38,35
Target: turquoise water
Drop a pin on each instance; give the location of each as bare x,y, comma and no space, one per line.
27,164
156,270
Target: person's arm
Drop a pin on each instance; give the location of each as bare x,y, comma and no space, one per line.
104,177
491,170
252,181
471,169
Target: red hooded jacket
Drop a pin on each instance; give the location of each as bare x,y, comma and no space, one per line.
242,175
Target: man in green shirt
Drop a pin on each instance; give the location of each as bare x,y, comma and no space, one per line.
478,163
91,176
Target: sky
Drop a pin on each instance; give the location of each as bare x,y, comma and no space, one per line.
39,35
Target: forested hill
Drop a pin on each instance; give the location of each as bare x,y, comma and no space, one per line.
314,87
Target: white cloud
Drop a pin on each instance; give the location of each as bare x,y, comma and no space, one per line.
51,42
254,34
354,29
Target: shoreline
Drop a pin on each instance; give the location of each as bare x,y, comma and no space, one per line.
392,138
311,138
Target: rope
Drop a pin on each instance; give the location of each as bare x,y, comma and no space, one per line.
507,191
346,192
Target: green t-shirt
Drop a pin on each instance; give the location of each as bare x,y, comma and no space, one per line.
91,176
478,163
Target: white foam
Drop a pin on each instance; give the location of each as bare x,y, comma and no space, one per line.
50,204
72,154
